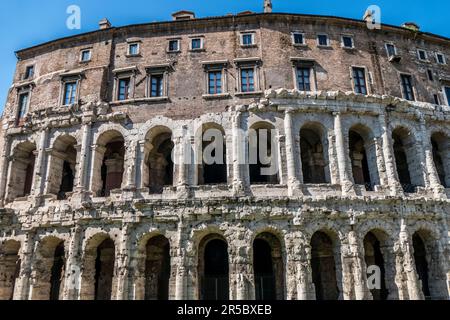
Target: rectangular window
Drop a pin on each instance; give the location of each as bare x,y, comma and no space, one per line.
359,80
29,72
247,80
196,44
304,79
298,38
247,39
70,93
215,82
408,92
436,99
322,40
174,45
440,58
447,94
347,42
124,89
23,104
85,55
430,75
422,55
156,85
133,49
391,50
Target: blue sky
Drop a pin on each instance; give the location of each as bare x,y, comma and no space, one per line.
24,23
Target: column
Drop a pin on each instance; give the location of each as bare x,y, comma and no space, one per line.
344,163
183,159
362,292
84,159
129,182
389,159
40,170
241,269
292,157
238,153
141,170
433,182
96,167
123,262
73,266
178,264
4,168
22,290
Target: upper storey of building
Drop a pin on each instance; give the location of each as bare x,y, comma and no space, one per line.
189,66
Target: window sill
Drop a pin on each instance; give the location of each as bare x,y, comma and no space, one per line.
300,45
324,47
245,46
133,55
177,51
216,96
348,48
197,50
245,94
148,99
85,61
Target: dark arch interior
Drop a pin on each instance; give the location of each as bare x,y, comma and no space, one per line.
160,163
374,256
9,269
401,161
113,166
104,270
358,156
312,156
420,259
323,267
57,272
257,176
215,277
264,272
68,172
157,269
437,158
215,173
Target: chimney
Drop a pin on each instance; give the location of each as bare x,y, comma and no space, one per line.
267,6
368,16
104,24
411,26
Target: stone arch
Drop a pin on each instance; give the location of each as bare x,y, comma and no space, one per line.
213,267
108,163
211,156
21,175
49,269
63,165
325,257
440,143
264,166
429,264
152,267
98,278
407,159
268,267
314,153
362,149
9,268
158,169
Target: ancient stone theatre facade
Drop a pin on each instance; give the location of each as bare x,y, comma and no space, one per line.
103,195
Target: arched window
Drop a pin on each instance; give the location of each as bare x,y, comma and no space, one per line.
263,154
421,262
160,167
323,267
373,256
213,165
268,267
9,268
441,157
157,269
314,156
22,170
213,268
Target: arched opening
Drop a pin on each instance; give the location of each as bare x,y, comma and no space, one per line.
9,268
97,280
268,267
49,270
373,256
213,268
441,157
363,157
159,161
263,154
63,160
407,160
323,267
313,154
22,170
213,167
108,163
157,269
420,259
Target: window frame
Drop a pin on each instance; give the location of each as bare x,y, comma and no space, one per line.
366,79
446,96
351,37
119,80
81,55
162,70
425,59
64,82
178,41
386,44
414,96
216,66
328,40
27,68
218,90
21,92
248,33
129,72
444,59
202,45
303,43
138,51
160,77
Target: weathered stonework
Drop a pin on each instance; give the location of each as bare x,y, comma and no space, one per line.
338,205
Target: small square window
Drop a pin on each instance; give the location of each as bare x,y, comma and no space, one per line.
133,49
347,42
440,58
422,55
247,39
85,55
322,40
298,38
174,45
29,72
196,44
